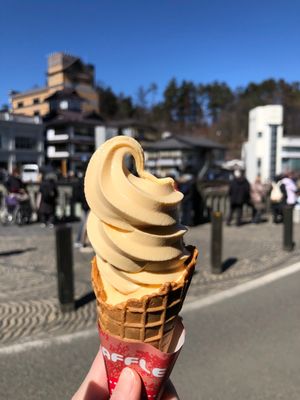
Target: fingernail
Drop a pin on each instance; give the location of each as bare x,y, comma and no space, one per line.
125,384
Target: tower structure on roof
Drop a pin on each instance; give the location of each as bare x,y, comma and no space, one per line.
64,71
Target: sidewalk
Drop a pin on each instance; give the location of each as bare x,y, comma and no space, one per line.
28,287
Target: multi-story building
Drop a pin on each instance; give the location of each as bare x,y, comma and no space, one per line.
21,141
270,149
70,132
64,71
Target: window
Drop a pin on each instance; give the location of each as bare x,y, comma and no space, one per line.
291,164
273,150
258,162
259,134
63,105
61,147
291,148
36,113
36,100
25,143
84,131
20,104
74,105
84,148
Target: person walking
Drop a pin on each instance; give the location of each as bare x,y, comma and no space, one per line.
257,194
14,183
278,197
185,186
47,201
81,239
291,189
239,194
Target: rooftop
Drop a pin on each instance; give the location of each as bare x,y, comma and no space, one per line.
131,123
8,116
200,142
15,94
66,93
176,142
64,116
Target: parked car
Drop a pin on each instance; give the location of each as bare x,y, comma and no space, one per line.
30,173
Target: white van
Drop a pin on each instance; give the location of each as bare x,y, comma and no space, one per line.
30,173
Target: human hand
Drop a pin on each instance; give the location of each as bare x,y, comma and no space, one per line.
129,386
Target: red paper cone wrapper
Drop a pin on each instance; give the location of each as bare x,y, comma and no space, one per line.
153,366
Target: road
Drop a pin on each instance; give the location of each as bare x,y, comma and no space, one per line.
246,347
28,286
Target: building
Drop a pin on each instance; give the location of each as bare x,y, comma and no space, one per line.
174,155
21,141
269,150
127,127
64,71
70,132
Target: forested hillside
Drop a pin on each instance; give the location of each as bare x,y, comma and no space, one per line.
214,110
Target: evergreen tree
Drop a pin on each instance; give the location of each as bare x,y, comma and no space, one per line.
108,102
216,97
189,110
125,107
170,101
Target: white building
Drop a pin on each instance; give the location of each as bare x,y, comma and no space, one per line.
268,152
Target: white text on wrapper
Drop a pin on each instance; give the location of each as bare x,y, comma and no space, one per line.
115,357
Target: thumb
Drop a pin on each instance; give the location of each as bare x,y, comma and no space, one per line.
129,386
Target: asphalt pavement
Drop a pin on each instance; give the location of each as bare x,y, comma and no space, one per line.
245,346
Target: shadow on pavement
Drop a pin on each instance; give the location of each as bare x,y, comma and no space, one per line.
82,301
228,263
17,251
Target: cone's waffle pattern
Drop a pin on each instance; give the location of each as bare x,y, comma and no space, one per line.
150,319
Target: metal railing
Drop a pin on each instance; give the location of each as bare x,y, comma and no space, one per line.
218,201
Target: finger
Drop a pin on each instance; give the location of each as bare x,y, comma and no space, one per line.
170,392
94,385
129,386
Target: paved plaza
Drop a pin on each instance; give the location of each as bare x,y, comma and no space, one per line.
29,307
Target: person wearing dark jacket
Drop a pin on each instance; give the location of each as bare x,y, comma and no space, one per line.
81,239
239,194
14,183
48,195
185,185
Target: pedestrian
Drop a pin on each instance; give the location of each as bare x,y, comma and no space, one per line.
257,195
17,198
81,239
239,194
278,197
185,186
14,183
291,189
47,201
197,204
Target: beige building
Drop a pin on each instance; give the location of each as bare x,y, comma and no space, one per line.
64,71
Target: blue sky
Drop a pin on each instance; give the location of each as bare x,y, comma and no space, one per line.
133,43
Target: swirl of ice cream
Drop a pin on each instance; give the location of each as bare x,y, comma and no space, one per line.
133,225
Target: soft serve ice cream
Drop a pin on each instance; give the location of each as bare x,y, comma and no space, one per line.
133,224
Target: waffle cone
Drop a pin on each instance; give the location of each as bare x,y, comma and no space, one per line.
150,319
